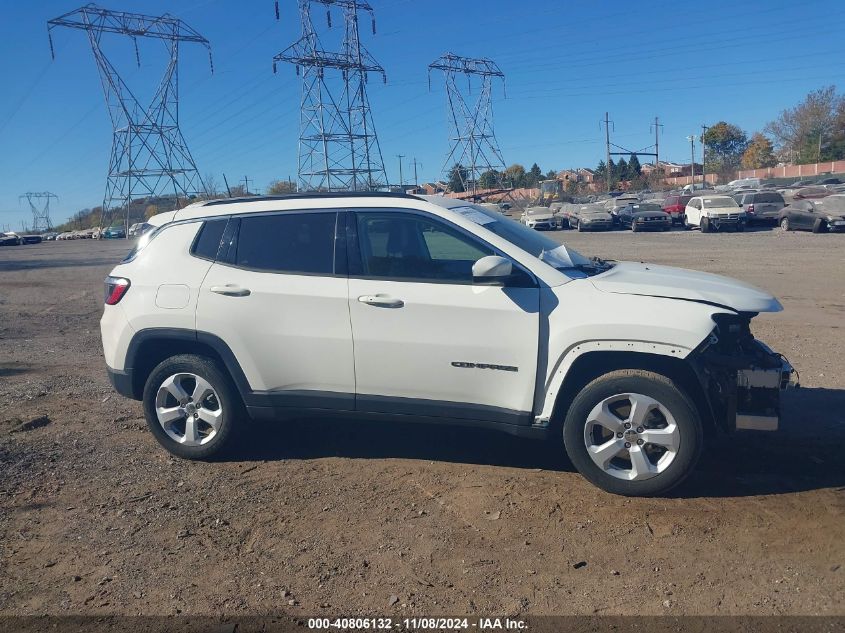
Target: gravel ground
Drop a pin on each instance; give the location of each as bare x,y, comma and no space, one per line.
327,517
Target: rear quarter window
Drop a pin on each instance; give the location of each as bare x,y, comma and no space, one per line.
207,241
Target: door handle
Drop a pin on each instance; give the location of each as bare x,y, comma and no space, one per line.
230,290
381,301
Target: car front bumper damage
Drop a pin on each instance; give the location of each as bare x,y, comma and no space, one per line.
744,385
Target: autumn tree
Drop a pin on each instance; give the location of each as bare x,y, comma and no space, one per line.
809,132
281,187
760,153
515,175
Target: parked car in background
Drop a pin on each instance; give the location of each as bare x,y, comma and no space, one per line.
49,236
798,184
617,203
31,239
644,216
113,232
698,187
713,213
810,193
675,205
10,238
762,206
590,217
745,182
539,218
818,216
829,181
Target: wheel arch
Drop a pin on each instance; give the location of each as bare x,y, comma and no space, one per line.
151,346
592,364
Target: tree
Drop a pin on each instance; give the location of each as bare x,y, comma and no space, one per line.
760,153
533,177
634,167
515,175
612,174
490,179
150,211
622,170
601,170
457,177
281,187
210,187
724,145
551,174
810,131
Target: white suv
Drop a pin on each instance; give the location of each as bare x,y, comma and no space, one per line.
430,309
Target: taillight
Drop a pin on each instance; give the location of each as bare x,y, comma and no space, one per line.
749,208
116,287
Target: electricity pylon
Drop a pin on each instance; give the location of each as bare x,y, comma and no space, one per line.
474,145
338,145
41,212
149,155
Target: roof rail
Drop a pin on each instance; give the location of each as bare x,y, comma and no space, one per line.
312,195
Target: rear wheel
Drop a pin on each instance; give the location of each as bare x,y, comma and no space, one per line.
580,226
191,407
784,224
634,227
633,432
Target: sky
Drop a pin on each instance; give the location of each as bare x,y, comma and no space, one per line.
565,65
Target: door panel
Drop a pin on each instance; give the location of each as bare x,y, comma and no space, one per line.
434,343
290,331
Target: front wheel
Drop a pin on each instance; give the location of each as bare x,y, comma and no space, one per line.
705,225
633,432
819,226
191,407
784,224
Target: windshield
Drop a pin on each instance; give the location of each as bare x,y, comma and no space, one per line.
646,207
529,240
768,197
721,201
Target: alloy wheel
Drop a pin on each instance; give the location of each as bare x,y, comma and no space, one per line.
631,436
188,409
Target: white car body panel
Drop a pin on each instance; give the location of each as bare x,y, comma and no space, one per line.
162,264
409,352
291,333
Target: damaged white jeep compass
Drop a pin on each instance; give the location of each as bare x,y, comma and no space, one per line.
433,310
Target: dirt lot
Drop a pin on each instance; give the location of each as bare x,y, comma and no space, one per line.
333,518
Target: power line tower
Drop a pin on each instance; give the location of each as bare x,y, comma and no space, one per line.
338,145
41,211
149,155
474,144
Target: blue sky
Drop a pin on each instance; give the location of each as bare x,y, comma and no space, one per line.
566,63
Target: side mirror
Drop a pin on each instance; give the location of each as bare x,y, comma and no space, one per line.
492,270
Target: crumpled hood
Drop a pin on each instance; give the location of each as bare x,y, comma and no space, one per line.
677,283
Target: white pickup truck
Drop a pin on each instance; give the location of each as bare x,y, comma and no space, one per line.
396,307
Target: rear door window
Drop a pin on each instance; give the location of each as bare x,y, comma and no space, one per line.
289,242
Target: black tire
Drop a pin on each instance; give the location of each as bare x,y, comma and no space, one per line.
580,227
232,409
634,227
653,385
820,226
705,225
784,224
